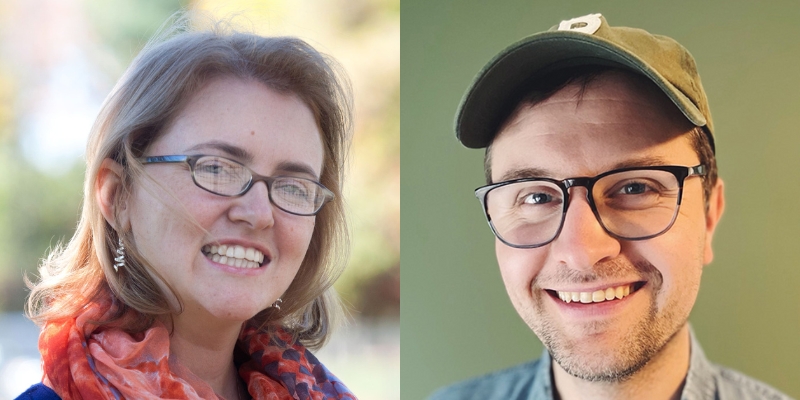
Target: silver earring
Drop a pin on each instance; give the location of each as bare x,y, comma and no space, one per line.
120,258
277,304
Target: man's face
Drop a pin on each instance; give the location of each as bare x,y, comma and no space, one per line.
619,120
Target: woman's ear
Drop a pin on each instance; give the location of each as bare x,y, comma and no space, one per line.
107,187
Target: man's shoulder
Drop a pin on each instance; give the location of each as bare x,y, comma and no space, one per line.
707,380
732,384
516,383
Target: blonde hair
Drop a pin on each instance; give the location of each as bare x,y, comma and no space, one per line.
151,93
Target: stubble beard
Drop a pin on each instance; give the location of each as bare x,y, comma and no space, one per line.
640,343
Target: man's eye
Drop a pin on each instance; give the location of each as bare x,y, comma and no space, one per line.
634,188
537,198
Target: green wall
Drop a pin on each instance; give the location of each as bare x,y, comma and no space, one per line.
457,321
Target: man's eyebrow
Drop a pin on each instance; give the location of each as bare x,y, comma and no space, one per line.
521,173
641,162
235,152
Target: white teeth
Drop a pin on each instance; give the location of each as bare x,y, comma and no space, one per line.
234,255
597,296
586,297
238,252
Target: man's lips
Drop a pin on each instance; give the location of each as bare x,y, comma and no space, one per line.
599,295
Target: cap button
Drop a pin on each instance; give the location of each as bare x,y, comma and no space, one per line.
588,24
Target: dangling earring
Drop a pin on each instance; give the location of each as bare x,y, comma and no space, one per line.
120,258
277,304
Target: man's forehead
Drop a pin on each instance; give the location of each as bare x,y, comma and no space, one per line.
624,94
614,119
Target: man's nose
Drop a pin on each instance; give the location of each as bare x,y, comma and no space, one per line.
583,242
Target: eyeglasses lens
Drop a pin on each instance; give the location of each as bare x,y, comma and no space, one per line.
228,178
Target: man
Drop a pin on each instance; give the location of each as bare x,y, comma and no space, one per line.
603,196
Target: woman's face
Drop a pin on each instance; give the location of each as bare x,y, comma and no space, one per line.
272,134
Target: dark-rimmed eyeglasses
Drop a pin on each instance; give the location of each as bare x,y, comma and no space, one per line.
631,204
226,177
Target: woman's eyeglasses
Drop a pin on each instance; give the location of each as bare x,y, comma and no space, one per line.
226,177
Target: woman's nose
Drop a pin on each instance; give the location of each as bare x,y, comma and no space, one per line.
254,207
583,242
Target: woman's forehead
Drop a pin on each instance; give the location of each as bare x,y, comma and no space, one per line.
248,116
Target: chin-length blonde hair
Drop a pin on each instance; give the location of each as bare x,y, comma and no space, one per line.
149,96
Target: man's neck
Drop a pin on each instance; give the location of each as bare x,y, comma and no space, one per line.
662,378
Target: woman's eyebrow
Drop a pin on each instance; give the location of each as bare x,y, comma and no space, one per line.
297,167
235,152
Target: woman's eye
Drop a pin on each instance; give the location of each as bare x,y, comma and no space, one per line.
294,190
537,198
212,168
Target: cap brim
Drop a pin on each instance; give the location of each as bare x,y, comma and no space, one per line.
495,89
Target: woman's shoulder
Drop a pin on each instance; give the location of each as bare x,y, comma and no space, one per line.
38,392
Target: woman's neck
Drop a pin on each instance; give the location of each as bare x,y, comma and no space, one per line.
206,349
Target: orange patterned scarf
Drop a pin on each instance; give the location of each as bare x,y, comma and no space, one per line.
83,361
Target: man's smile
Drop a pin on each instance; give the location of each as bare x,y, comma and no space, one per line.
609,293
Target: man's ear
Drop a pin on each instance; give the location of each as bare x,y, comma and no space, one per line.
107,188
716,205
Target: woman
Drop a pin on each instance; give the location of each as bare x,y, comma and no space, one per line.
212,229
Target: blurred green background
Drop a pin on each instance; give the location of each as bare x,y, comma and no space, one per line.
457,320
58,61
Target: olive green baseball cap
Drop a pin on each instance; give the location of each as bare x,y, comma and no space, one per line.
586,40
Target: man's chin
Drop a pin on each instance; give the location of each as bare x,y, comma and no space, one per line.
602,351
600,367
607,355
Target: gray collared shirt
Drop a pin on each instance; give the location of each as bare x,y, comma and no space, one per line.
533,381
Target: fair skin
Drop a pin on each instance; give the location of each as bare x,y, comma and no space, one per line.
628,348
276,134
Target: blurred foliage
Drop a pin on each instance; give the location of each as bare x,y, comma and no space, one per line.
38,210
124,26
